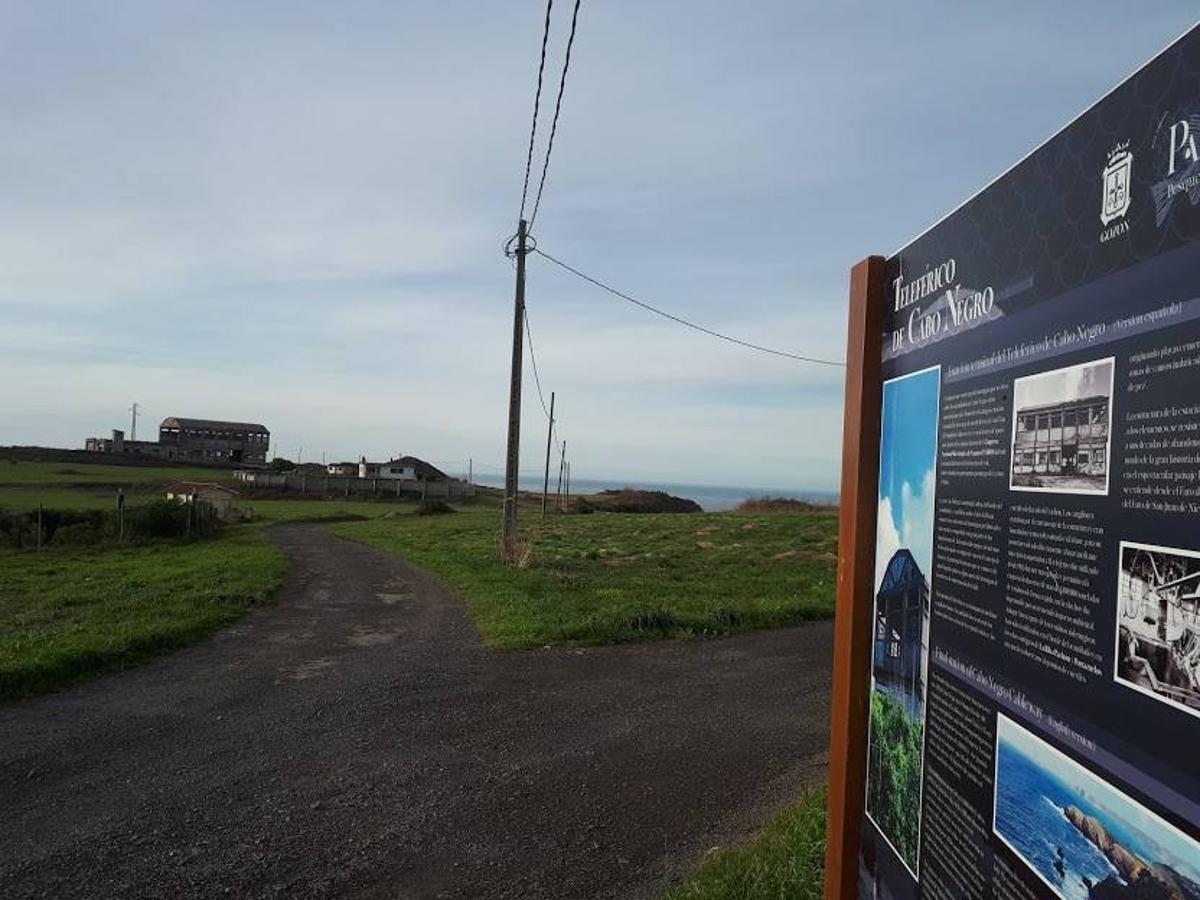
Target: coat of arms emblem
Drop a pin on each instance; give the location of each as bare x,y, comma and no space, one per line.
1117,174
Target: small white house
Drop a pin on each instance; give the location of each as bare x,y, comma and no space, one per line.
398,469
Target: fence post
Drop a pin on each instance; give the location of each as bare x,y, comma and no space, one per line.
39,540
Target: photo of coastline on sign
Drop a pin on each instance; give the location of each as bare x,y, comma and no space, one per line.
1158,624
1061,430
903,560
1084,838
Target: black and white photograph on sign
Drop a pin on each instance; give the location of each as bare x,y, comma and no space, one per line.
903,563
1061,430
1158,624
1084,838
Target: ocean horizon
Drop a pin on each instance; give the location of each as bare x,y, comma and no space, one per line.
712,498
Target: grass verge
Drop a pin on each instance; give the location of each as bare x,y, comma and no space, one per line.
786,861
66,616
606,578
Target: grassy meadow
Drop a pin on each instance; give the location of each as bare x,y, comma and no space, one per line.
786,861
607,577
69,485
583,579
68,615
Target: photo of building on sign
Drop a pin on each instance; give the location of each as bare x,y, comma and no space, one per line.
900,654
1083,838
1061,430
1158,624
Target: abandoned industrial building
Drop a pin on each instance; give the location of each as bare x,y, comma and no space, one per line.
194,440
901,609
1068,438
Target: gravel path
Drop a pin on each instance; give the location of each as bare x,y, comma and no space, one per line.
356,740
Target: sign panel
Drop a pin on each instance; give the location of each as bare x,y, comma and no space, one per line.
1034,706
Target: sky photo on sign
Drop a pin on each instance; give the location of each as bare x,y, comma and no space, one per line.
907,465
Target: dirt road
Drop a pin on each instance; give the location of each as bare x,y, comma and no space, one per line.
356,740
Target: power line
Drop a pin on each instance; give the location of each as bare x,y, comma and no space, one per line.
673,318
537,97
533,359
537,381
562,83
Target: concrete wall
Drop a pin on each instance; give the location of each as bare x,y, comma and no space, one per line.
337,486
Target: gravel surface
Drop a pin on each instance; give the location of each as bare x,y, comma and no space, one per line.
356,740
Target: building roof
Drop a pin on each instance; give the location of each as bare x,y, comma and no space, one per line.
1063,404
423,469
213,425
902,570
199,488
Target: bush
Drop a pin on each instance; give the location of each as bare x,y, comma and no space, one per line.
163,519
78,534
433,508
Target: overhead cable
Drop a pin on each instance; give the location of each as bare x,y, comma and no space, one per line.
537,97
562,83
693,325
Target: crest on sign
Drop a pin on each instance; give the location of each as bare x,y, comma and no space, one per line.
1116,178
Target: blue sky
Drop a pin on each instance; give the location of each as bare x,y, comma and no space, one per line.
292,212
907,470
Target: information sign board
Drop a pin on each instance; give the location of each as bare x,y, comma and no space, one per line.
1017,701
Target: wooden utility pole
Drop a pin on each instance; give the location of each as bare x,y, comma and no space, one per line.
470,470
567,492
508,529
549,437
562,462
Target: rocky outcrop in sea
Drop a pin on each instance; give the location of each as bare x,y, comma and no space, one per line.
1139,879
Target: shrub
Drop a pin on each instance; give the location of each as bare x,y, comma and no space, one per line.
433,508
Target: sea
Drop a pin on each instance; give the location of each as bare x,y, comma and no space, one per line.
1030,815
712,498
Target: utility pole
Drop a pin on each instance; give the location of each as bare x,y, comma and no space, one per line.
549,436
508,530
133,425
567,504
562,464
470,470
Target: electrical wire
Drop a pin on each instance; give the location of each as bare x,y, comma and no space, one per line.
537,98
533,359
562,83
693,325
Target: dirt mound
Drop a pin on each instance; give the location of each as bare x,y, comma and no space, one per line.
779,504
628,500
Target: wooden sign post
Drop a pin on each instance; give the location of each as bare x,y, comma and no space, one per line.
856,562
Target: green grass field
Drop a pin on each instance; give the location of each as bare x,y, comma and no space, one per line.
70,615
23,485
606,578
786,861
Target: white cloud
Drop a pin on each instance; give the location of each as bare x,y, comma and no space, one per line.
909,524
887,539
